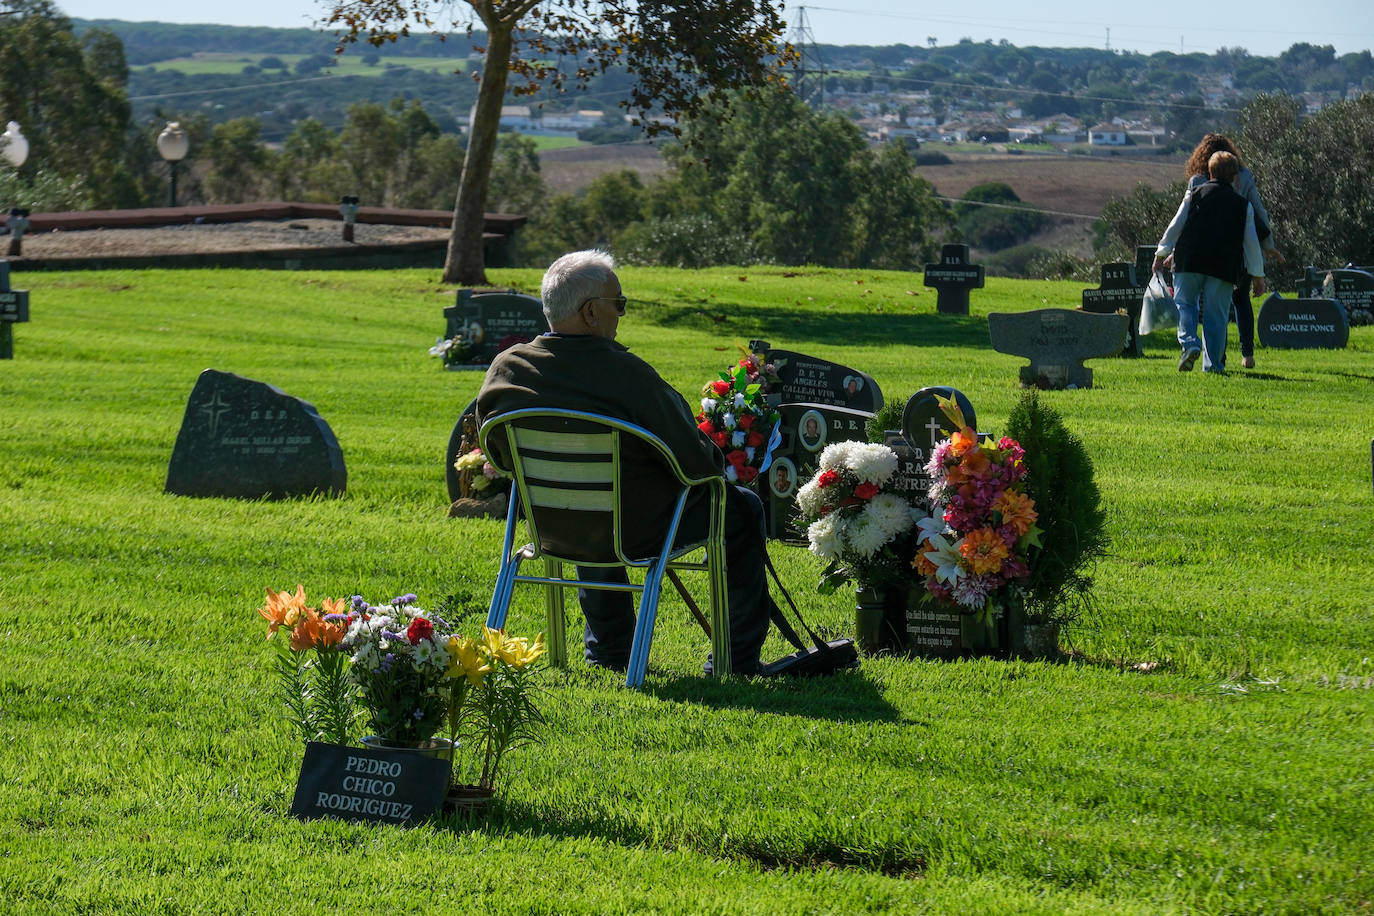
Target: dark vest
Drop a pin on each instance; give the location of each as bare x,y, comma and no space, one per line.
1213,238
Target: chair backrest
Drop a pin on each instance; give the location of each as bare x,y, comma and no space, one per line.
566,468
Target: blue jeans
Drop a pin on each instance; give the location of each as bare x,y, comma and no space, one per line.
1212,297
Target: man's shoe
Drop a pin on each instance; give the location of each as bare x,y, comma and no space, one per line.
1185,362
1248,362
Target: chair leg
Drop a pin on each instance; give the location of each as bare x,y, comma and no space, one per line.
501,594
644,625
556,633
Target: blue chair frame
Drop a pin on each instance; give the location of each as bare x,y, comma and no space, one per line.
570,460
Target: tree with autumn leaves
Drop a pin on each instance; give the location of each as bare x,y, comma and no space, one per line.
682,56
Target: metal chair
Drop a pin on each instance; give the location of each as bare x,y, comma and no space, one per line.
566,471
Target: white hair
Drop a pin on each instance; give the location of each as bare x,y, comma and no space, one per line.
572,280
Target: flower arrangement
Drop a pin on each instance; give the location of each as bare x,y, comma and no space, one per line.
475,473
452,350
974,549
405,670
491,700
311,670
737,417
852,524
400,665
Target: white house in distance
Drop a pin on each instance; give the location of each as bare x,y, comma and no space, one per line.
1106,135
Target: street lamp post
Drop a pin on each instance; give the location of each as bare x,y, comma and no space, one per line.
348,208
15,149
173,144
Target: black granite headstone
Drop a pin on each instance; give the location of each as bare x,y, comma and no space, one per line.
246,439
1302,324
952,278
924,424
1351,287
1056,341
491,322
367,784
812,380
1119,292
805,429
933,630
14,307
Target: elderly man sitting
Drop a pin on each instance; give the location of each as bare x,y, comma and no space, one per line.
578,365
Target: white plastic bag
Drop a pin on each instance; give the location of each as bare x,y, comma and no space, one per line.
1157,306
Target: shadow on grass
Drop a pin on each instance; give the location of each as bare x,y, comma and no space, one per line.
846,696
786,328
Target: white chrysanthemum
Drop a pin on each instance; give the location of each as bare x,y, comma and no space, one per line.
429,654
810,498
889,512
708,405
837,456
872,462
866,537
826,537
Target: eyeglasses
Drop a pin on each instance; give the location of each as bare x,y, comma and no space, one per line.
618,301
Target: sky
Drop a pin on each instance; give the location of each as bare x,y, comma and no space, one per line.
1263,27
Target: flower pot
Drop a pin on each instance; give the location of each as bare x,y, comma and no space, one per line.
430,747
1040,640
468,800
880,619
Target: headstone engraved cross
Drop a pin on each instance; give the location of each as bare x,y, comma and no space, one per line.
492,321
246,439
1119,291
1056,341
952,278
14,307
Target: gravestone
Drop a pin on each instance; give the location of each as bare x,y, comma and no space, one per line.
1302,324
1352,288
952,278
14,307
1119,291
368,784
932,630
805,430
924,424
246,439
812,380
1056,341
491,322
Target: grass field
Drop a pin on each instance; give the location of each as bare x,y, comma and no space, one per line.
1204,748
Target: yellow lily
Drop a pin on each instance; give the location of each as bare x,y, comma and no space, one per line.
465,659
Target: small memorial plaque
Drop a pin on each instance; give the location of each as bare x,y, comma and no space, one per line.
1056,341
1119,292
1303,324
246,439
491,322
366,784
805,429
933,630
925,424
952,278
811,380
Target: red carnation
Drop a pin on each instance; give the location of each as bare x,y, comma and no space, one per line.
754,439
747,474
745,420
720,386
828,478
737,457
720,438
866,490
707,427
419,629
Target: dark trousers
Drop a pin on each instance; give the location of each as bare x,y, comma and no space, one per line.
611,615
1244,314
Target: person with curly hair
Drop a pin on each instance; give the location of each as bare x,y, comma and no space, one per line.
1196,172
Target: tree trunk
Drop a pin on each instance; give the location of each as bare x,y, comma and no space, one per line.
465,263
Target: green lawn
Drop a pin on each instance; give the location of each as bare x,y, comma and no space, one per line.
1206,748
